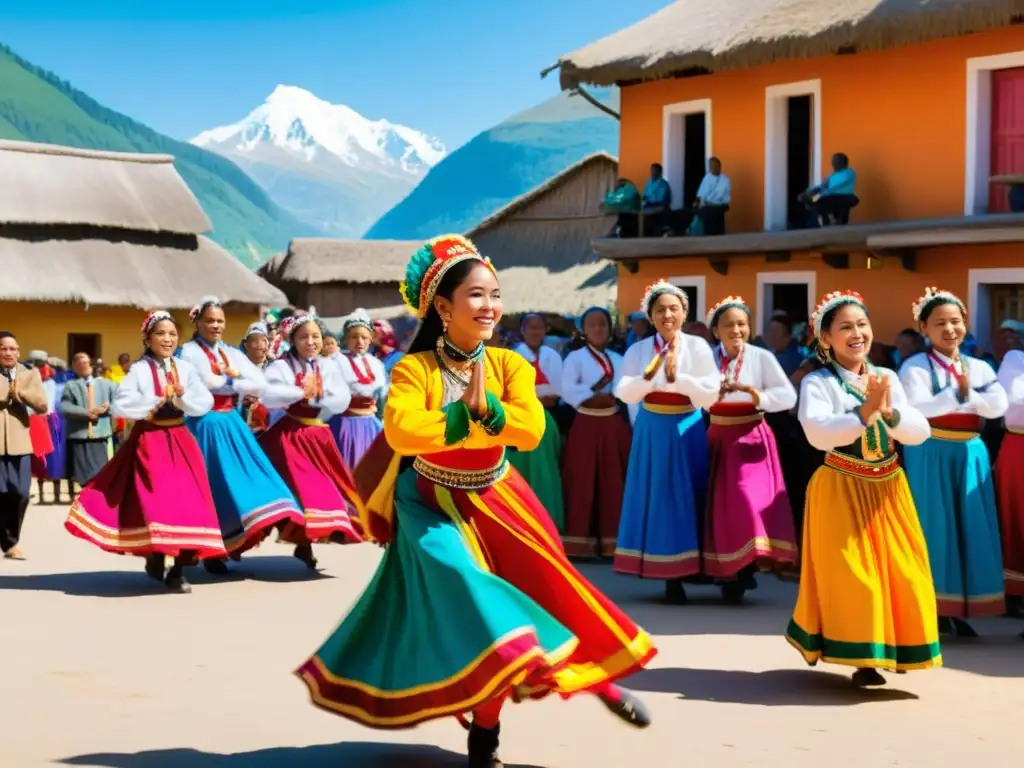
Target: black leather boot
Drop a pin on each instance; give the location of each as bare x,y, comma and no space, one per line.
483,747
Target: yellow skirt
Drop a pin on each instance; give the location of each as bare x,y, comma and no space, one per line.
866,593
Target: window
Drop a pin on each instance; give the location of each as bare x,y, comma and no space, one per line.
90,343
980,152
694,287
686,147
993,295
792,150
793,292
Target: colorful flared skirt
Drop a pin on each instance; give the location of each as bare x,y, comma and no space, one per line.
474,599
541,468
152,497
664,501
42,443
866,597
955,497
594,468
1009,480
57,460
250,496
308,460
354,435
749,519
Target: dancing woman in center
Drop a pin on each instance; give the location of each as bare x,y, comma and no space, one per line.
667,379
474,601
866,596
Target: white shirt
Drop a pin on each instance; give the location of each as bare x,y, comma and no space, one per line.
580,372
987,398
828,413
250,381
697,376
1011,378
281,391
761,370
136,398
715,190
550,364
380,376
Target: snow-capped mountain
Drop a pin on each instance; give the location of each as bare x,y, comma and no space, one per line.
326,163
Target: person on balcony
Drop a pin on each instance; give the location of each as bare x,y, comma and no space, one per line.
657,201
624,201
713,198
830,202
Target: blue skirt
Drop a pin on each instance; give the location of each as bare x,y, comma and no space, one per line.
249,494
665,496
951,482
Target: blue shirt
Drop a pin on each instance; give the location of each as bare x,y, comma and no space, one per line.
840,183
657,192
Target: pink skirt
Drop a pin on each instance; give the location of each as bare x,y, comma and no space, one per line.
1009,478
309,462
152,497
749,519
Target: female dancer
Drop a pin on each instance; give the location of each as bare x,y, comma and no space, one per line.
385,345
300,445
469,541
597,449
750,523
540,467
250,496
256,346
1009,478
950,475
357,428
673,375
866,596
153,498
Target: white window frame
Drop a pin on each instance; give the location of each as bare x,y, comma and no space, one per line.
978,109
673,142
698,282
763,304
776,128
979,303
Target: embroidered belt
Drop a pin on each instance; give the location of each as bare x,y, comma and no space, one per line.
667,409
166,423
463,469
954,435
957,427
224,403
598,411
361,406
1015,431
308,421
869,470
733,420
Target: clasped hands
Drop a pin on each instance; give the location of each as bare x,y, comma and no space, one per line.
877,399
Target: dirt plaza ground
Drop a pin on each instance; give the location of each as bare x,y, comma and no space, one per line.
103,668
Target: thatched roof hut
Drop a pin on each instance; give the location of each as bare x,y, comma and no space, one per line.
540,242
110,229
716,35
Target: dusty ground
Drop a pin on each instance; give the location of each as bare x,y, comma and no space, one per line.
102,668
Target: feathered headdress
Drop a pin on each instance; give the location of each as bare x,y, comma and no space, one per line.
204,304
358,319
829,302
933,296
154,317
428,266
656,289
729,302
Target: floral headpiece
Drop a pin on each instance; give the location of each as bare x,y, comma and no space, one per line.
358,319
430,264
152,319
931,296
829,302
729,302
291,324
656,289
204,304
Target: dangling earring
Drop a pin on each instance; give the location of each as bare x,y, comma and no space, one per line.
444,325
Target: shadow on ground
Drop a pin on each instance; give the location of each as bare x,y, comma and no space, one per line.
113,584
774,688
363,754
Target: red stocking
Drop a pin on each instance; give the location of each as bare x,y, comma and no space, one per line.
488,714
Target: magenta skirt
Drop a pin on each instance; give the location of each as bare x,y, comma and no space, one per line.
749,519
308,460
152,497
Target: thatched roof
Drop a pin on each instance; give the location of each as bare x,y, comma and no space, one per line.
717,35
104,272
312,260
44,184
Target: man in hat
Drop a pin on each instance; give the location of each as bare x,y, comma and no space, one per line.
85,404
21,391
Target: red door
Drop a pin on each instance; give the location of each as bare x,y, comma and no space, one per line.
1007,132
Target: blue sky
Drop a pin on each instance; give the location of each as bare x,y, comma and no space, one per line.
450,68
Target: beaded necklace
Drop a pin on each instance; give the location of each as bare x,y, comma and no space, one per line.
875,443
455,361
725,364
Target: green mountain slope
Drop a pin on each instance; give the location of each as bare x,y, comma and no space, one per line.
35,105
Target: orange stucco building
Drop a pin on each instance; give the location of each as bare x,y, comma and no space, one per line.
928,106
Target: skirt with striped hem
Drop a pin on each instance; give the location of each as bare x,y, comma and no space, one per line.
1009,479
541,468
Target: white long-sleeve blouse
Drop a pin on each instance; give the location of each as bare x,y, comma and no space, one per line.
250,381
581,371
759,369
1011,378
551,365
136,398
697,376
282,392
987,397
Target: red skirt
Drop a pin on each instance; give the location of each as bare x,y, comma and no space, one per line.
152,497
308,459
1009,479
39,432
594,467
